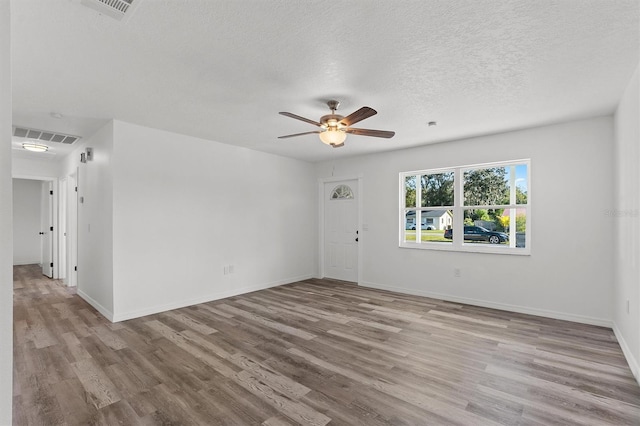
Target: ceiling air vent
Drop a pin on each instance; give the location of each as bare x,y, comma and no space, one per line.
120,10
43,135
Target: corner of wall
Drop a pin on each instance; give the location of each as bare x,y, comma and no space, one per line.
626,212
104,311
628,354
6,221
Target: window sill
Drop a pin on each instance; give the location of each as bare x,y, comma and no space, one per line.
468,248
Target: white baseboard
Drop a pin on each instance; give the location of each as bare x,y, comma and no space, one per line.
26,262
495,305
628,354
123,316
104,311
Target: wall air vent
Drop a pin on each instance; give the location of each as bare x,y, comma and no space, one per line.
43,135
120,10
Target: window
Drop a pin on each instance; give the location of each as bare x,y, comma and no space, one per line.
481,208
341,192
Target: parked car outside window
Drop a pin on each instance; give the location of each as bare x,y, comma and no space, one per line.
424,227
478,233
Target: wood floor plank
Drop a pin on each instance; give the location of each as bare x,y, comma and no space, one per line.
271,377
314,352
190,322
99,389
277,421
109,338
297,411
268,323
71,397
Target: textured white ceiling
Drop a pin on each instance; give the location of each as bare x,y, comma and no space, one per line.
221,70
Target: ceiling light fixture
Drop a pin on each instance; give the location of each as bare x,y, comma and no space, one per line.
333,136
35,147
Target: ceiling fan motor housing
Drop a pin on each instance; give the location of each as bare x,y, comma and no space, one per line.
331,121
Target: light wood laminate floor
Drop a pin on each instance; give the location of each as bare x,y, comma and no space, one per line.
315,352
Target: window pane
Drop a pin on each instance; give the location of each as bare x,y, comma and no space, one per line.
520,215
434,225
522,184
410,191
437,189
486,186
485,227
410,226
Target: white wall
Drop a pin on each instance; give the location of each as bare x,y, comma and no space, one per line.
32,168
6,228
27,195
569,272
186,207
95,220
626,217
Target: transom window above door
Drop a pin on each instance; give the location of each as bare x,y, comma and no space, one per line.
341,192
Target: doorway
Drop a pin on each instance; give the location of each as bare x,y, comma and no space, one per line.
341,233
46,229
35,226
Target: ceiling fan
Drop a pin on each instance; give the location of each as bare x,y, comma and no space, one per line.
334,128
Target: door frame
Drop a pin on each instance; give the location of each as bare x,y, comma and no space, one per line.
63,234
48,229
72,229
56,224
321,206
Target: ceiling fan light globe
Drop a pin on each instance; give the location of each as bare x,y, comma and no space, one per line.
333,137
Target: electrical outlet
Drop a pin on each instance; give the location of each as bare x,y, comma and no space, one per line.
226,270
457,272
628,308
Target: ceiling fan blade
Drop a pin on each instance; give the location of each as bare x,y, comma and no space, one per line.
368,132
359,115
298,134
297,117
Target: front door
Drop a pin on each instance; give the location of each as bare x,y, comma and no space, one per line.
46,232
341,230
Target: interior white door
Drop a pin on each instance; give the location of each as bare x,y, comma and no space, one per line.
46,229
341,230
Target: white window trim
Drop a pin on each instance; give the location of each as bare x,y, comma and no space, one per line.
458,208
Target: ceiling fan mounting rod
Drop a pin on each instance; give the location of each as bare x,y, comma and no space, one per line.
333,105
